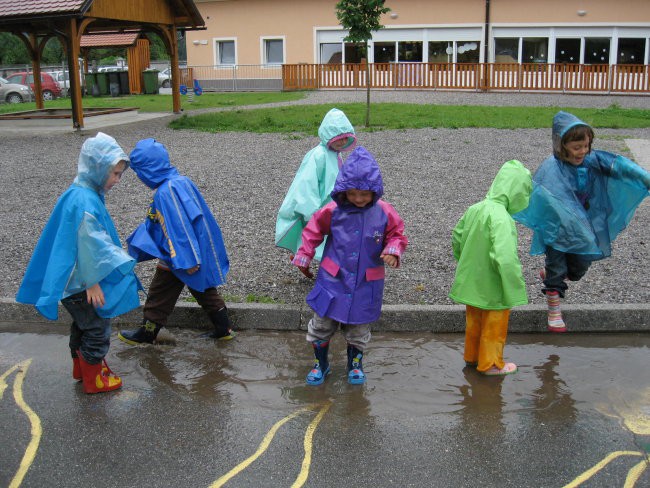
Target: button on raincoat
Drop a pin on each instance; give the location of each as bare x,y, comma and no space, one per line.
314,180
180,229
79,246
582,209
350,283
484,241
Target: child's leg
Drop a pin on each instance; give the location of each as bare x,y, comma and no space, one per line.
357,337
473,324
215,306
576,267
556,269
494,330
319,332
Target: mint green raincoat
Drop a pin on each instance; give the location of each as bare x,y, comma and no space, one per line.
313,183
484,242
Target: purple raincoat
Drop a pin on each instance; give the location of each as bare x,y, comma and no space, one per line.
350,283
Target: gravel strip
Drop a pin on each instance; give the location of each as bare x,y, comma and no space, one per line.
431,176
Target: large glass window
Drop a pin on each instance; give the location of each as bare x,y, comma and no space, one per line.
534,50
225,52
567,51
331,53
409,51
467,52
506,50
597,50
630,51
354,53
384,52
441,52
273,51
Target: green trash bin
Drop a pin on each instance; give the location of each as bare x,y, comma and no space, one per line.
102,82
150,78
91,81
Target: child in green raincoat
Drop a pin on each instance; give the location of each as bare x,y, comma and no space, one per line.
489,280
314,181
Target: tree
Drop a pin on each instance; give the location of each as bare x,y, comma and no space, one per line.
361,19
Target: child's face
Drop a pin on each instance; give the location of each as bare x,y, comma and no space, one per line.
576,151
339,145
114,176
359,198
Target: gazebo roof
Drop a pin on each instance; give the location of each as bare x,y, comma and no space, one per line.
101,40
14,8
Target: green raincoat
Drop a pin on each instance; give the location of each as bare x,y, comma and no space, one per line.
484,241
314,180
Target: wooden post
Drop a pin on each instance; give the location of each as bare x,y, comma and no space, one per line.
176,86
73,48
36,71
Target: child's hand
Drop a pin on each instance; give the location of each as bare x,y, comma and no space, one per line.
193,270
305,270
390,260
95,296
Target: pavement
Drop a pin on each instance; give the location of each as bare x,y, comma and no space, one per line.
434,318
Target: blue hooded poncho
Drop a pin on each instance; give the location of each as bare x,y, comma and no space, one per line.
314,180
79,246
582,209
180,229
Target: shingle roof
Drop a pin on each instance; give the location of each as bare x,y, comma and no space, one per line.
11,8
93,40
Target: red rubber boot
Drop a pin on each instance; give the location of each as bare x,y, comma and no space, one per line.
98,378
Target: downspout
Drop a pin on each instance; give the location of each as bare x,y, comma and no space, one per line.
486,47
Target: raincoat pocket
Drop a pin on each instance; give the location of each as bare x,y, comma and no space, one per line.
330,266
320,299
374,274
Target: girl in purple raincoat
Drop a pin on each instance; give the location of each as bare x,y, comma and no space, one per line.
364,234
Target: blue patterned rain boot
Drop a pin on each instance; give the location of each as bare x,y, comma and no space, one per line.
355,366
321,365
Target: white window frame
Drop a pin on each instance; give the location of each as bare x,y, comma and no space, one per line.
215,43
263,40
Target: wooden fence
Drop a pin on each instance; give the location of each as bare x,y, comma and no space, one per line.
479,76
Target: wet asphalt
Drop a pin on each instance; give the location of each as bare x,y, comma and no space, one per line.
193,412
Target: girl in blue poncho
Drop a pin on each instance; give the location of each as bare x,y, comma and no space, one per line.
80,261
581,200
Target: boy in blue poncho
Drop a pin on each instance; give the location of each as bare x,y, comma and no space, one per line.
181,232
581,201
80,261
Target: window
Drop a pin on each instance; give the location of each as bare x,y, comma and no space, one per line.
567,51
534,50
384,52
441,52
467,52
506,50
409,51
331,53
354,53
273,51
597,50
630,51
225,52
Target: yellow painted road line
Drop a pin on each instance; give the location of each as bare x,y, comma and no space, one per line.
36,431
635,473
309,435
600,465
260,450
3,383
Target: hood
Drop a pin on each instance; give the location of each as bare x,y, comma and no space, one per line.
511,187
97,158
150,161
360,172
335,125
562,122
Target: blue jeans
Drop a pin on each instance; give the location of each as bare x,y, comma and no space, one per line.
560,267
89,333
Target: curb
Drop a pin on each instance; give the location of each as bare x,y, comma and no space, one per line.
396,318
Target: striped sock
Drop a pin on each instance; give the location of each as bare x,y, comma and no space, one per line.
554,321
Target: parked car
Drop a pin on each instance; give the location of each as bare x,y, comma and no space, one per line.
165,78
108,69
51,88
63,79
15,93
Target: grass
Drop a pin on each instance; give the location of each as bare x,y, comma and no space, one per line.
163,103
384,116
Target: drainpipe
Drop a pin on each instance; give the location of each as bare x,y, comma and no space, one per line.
486,47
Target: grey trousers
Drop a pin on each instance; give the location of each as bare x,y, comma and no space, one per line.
323,328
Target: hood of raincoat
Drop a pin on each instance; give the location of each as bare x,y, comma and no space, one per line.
98,156
335,125
150,161
562,122
511,187
360,172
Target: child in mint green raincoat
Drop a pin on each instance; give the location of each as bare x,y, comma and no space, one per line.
489,280
314,180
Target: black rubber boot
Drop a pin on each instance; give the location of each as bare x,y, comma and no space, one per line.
222,326
321,367
143,335
356,375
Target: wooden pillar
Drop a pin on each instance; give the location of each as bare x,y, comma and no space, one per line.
176,85
73,50
36,71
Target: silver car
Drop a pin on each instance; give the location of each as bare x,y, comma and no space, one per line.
15,93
